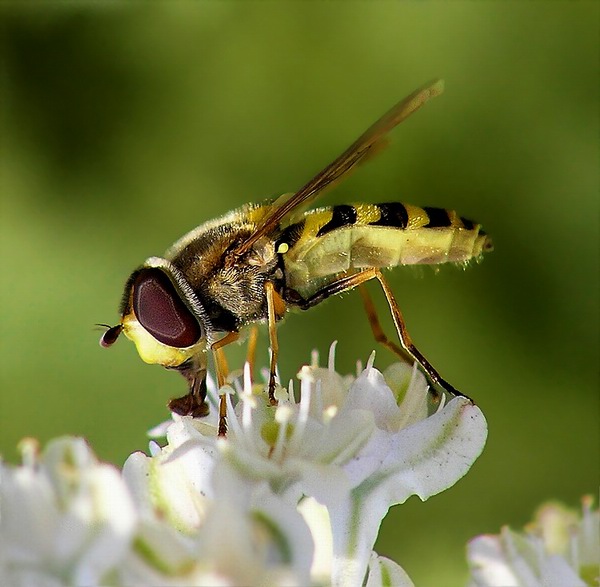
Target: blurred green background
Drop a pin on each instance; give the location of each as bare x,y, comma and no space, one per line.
125,126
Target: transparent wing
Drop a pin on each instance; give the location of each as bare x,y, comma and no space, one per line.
365,146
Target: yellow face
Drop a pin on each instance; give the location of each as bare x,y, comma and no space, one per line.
157,318
155,352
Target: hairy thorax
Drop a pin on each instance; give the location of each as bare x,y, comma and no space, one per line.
231,288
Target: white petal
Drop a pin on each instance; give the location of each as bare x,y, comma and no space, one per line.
489,566
325,483
73,518
31,578
432,455
253,465
370,458
29,514
384,572
345,435
423,459
332,387
176,482
252,535
371,392
317,518
288,532
112,528
511,560
556,572
161,556
588,537
192,454
409,384
160,430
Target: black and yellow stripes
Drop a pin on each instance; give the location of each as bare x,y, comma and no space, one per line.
391,214
438,217
329,241
318,223
343,215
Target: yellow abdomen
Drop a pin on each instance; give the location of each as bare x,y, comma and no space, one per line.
332,240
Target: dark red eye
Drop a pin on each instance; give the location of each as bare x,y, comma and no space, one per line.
161,311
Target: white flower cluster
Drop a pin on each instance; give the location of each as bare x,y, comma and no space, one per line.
560,548
294,495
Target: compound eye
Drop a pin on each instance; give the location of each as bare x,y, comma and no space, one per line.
161,311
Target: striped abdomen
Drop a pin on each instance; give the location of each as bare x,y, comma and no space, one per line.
335,239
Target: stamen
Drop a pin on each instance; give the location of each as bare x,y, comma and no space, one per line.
212,394
233,377
359,367
247,379
574,551
330,413
442,402
282,417
314,358
29,449
232,421
248,400
281,394
248,404
154,448
303,411
331,360
587,539
264,373
371,361
319,397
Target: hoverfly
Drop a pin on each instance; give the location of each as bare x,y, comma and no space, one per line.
257,262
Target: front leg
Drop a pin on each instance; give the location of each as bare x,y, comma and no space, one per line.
275,309
194,402
222,372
